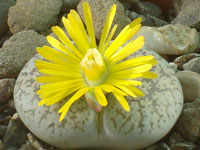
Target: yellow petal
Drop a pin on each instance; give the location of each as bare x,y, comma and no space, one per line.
64,109
53,55
83,38
107,42
89,24
135,22
122,101
134,62
55,43
149,75
125,76
65,40
100,96
136,91
118,42
127,50
76,36
137,70
125,89
40,64
109,88
107,25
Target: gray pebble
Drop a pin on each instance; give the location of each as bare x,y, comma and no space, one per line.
36,15
188,124
193,65
4,6
190,82
17,51
6,89
100,9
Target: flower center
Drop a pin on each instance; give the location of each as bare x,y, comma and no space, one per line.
94,67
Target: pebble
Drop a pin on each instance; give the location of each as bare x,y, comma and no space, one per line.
190,82
147,20
170,39
100,9
189,14
1,145
36,15
177,142
193,65
147,8
160,146
6,89
4,6
15,134
2,130
69,4
188,124
151,117
181,60
17,51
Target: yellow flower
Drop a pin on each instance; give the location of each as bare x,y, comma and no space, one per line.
83,68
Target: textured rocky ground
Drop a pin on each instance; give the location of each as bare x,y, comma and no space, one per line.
172,31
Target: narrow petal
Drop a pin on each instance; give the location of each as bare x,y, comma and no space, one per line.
55,43
122,101
40,64
127,50
125,76
65,40
109,88
79,31
134,62
107,26
117,43
89,24
125,89
53,55
61,73
61,84
137,70
107,42
76,37
100,96
149,75
136,91
64,109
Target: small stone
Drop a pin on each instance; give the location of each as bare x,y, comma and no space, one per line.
6,89
147,8
100,9
17,51
174,66
159,146
1,145
181,60
177,142
177,4
170,39
15,134
2,130
36,15
4,6
27,146
189,14
130,1
147,20
69,4
188,124
190,82
193,65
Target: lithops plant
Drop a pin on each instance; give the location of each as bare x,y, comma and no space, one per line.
93,89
